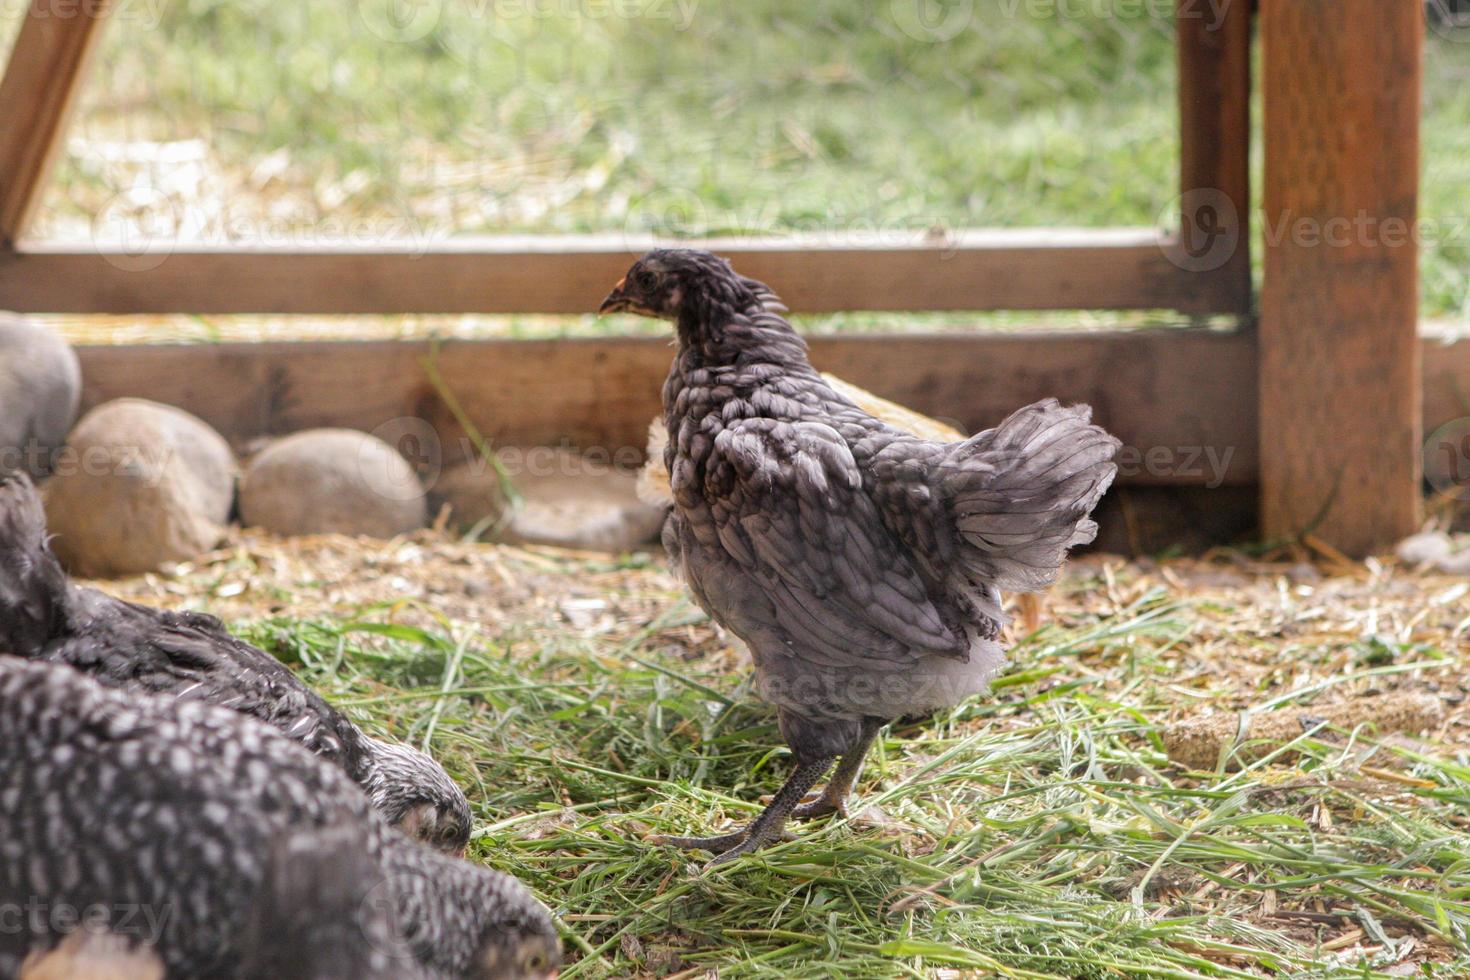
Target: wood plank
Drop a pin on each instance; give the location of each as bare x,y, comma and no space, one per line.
1446,358
40,86
1340,358
1181,399
1214,52
1171,389
980,270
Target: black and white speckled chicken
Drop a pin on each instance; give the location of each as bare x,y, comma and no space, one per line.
44,616
862,565
174,824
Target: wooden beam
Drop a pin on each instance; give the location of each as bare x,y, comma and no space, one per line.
981,270
1181,399
40,86
1340,359
1214,152
1186,395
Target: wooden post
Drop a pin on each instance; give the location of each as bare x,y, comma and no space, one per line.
1339,359
36,96
1214,149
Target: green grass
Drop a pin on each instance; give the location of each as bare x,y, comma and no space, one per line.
1044,833
829,117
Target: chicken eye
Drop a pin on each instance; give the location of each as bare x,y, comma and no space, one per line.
645,280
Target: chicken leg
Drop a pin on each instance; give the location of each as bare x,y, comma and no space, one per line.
833,798
764,829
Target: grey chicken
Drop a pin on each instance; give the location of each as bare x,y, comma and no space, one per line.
862,565
167,823
44,616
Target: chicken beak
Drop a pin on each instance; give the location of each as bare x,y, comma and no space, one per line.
616,300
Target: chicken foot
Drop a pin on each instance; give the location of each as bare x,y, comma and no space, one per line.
764,829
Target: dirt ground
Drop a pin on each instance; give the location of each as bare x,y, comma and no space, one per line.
1255,626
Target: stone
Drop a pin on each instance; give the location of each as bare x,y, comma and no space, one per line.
568,500
332,481
40,390
138,485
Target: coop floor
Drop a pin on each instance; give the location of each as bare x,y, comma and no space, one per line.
1039,832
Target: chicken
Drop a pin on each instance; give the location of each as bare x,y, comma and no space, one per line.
178,825
863,566
44,616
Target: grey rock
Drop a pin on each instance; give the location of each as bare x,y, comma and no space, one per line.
136,486
40,389
568,501
332,481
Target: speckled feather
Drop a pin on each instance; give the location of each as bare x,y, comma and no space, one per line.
192,656
179,812
862,565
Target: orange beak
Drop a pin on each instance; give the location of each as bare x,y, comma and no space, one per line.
616,300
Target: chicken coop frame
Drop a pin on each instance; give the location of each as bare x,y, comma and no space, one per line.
1311,413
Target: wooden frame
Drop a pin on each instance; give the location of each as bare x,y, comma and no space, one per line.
1185,395
1342,82
1340,363
561,274
36,96
1042,269
1214,147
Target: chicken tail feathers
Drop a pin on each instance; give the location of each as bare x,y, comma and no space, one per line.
1020,494
33,586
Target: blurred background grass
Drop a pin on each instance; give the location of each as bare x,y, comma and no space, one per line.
335,122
